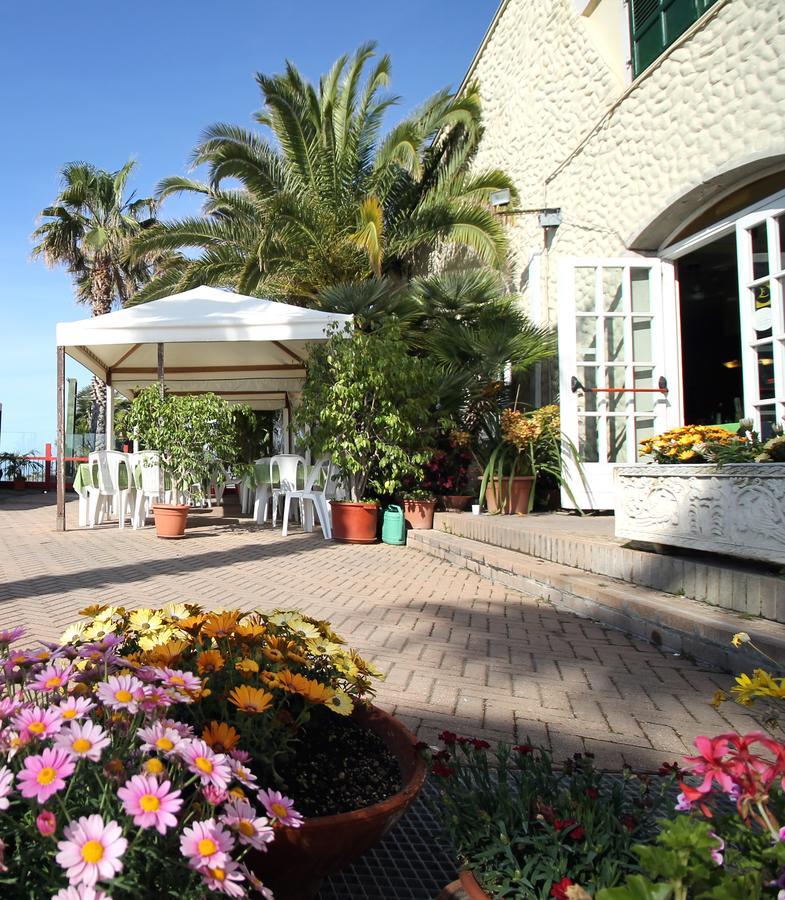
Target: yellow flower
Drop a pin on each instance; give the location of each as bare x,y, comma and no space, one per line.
304,629
745,690
221,624
718,698
247,666
144,620
741,637
250,700
209,661
177,611
220,737
92,611
154,766
310,690
151,639
73,633
270,679
340,703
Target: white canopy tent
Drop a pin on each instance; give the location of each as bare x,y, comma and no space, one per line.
245,349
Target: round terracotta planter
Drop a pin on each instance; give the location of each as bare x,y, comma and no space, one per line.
170,519
517,495
419,513
472,887
354,523
299,858
456,502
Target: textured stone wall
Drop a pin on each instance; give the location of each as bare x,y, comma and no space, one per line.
613,156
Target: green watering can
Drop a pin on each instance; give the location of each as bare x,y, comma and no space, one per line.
394,526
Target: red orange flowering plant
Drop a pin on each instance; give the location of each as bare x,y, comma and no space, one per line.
106,792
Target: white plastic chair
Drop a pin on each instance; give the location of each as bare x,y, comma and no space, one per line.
288,466
107,496
147,461
315,492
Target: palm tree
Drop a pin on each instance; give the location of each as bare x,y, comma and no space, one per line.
88,229
325,197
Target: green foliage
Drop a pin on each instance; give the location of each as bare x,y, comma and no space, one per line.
254,430
191,433
523,825
18,465
680,864
366,402
325,196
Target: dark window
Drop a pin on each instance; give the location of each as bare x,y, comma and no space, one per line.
655,25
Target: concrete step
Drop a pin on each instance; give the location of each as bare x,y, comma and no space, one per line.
588,543
678,624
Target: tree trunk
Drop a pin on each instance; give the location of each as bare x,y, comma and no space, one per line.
101,303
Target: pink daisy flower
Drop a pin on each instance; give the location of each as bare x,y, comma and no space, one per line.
150,802
8,706
121,692
46,823
159,738
280,809
182,728
155,698
6,783
251,829
226,879
80,892
256,882
83,739
35,722
185,683
206,844
243,774
9,635
214,796
75,708
212,768
52,678
92,850
45,774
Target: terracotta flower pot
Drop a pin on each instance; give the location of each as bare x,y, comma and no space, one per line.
354,523
456,502
170,519
419,513
299,858
472,887
516,495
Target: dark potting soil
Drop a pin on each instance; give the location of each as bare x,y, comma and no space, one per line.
338,767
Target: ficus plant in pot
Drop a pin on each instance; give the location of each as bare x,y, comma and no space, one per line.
16,467
191,434
367,403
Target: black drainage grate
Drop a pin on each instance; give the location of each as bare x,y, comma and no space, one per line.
413,862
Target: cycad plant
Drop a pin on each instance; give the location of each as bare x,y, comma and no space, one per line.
325,196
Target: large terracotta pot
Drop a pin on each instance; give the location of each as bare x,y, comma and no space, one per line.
419,513
299,858
456,502
170,519
354,523
472,887
516,495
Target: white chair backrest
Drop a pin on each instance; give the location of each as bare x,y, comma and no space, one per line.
288,465
147,461
108,463
320,474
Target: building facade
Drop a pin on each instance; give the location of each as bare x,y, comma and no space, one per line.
646,139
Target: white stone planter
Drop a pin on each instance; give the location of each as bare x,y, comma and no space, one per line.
736,509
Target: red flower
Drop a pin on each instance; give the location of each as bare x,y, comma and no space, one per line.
628,822
479,744
523,749
670,769
592,793
441,770
448,737
578,832
559,888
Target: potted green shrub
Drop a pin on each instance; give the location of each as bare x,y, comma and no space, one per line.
190,434
366,403
16,466
418,508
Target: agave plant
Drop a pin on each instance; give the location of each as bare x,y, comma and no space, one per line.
325,196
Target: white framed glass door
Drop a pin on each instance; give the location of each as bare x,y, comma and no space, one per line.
760,243
618,366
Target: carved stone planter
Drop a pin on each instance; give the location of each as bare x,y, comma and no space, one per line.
736,509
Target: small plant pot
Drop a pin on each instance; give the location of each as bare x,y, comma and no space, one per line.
170,519
20,484
471,887
354,523
456,502
419,513
516,495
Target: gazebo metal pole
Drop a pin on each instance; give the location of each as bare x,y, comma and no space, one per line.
60,521
109,411
162,393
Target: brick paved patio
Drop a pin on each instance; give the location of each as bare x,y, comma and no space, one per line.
460,652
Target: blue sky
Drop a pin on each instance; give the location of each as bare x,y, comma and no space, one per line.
105,81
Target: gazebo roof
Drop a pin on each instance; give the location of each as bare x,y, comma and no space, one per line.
246,349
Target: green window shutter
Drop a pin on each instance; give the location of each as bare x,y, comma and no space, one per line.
655,25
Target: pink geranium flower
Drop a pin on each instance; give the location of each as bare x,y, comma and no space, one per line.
83,739
226,879
45,774
206,844
212,768
92,850
159,738
52,678
80,892
35,722
251,829
75,708
280,809
150,802
121,692
711,764
6,783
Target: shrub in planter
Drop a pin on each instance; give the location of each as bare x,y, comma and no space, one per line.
106,790
523,827
16,467
418,509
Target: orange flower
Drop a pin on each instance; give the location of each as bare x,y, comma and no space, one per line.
166,654
312,691
250,630
297,657
193,623
247,666
270,679
250,700
220,737
273,654
221,624
209,661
